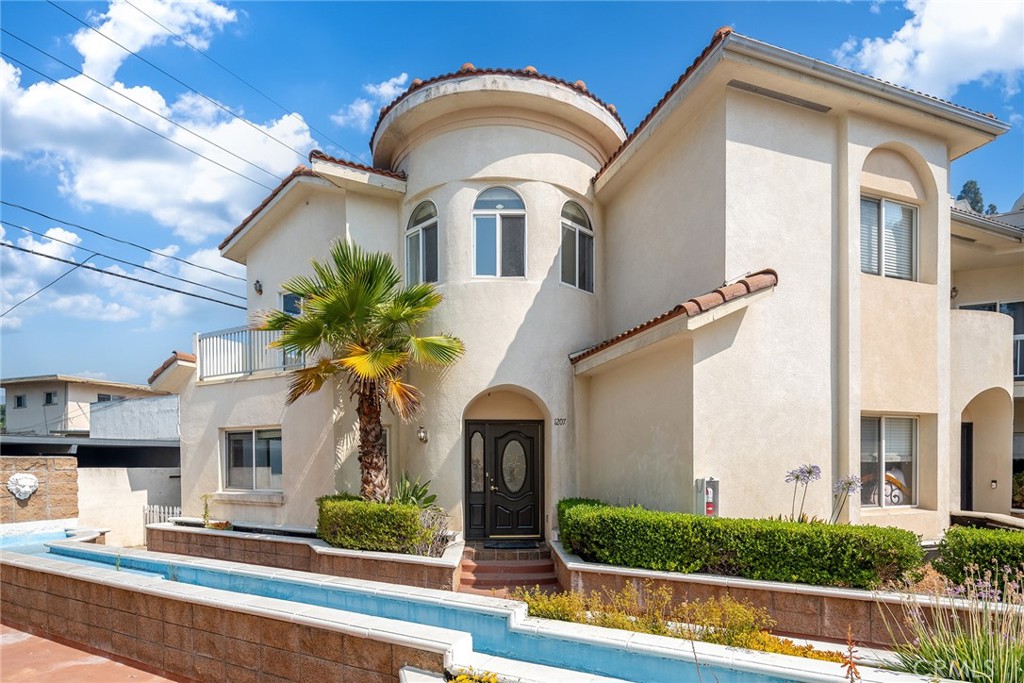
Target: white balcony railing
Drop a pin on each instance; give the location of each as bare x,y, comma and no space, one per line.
1018,357
241,351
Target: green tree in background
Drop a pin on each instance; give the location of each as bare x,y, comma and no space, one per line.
972,193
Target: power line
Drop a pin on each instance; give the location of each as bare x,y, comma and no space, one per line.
142,106
44,288
124,277
176,80
119,240
252,87
130,120
127,263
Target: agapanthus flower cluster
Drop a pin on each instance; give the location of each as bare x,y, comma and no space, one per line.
848,485
804,474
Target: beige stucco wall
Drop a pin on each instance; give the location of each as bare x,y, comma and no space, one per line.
640,441
114,497
310,428
663,237
989,284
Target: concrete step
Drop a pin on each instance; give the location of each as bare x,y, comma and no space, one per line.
494,581
503,567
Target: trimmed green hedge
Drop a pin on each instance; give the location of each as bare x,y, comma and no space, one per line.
818,554
987,549
347,521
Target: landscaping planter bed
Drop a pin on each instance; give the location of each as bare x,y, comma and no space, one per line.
308,554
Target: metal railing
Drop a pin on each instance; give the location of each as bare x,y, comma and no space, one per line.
1018,357
241,351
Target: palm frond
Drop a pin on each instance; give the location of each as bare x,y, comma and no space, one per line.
405,399
373,364
436,350
309,380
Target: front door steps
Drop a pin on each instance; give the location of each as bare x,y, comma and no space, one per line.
498,572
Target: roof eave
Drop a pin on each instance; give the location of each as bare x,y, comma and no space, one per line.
867,84
988,225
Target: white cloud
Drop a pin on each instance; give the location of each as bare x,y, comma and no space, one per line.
357,114
389,89
944,45
100,158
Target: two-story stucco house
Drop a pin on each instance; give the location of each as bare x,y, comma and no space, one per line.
758,276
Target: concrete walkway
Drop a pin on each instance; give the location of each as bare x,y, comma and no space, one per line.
25,657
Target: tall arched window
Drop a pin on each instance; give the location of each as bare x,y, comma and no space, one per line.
499,234
421,245
577,248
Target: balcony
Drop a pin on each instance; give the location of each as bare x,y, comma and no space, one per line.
241,351
981,356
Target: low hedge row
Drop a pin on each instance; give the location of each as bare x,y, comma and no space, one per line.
986,549
818,554
347,521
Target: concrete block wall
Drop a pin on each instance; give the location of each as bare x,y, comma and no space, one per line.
56,497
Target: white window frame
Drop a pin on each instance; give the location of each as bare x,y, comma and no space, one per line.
880,241
577,228
418,229
21,400
50,398
225,464
287,359
916,455
498,214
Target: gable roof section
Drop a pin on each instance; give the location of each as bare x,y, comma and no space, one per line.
470,70
71,379
317,154
822,70
755,282
171,360
298,172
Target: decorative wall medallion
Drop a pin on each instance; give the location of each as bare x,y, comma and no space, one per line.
22,485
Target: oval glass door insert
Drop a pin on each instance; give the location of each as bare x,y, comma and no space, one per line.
513,466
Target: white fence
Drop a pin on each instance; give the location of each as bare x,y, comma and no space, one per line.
155,514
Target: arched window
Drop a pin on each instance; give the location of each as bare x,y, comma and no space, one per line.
421,245
499,234
577,248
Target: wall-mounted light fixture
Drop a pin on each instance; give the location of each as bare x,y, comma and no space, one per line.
994,484
258,286
422,435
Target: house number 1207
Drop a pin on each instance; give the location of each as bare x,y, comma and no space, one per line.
559,421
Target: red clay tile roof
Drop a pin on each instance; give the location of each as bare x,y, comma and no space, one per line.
468,69
171,360
717,38
755,282
299,171
317,154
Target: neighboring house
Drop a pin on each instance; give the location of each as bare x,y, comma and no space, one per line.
124,438
61,404
757,277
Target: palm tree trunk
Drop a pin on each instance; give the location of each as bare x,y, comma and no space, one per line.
373,459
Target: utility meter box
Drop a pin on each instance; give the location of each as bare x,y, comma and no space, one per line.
707,496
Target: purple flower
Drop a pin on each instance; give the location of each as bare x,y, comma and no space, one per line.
848,485
804,474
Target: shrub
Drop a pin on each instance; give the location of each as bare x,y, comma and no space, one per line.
984,549
366,525
772,550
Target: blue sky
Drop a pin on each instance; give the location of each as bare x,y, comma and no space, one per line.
332,65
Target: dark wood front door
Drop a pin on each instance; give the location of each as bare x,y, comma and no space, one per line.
504,482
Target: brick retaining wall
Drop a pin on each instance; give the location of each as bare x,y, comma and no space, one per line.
304,555
196,641
57,495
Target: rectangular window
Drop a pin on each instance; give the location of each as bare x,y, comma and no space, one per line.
888,235
253,460
888,461
430,253
291,304
102,398
500,245
50,398
412,257
20,401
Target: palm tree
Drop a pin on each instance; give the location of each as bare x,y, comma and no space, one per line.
359,326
